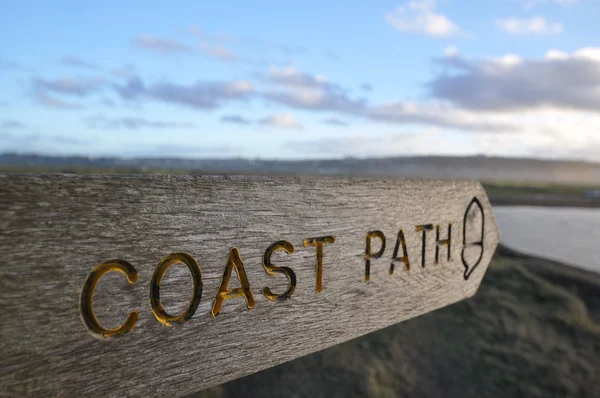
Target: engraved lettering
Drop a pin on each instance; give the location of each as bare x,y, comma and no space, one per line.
444,242
233,261
424,228
404,259
271,270
473,209
87,294
157,308
319,242
369,255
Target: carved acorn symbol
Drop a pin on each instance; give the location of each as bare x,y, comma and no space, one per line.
473,235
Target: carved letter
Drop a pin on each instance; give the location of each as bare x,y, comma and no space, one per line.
404,259
319,242
369,255
424,228
474,209
445,242
271,269
234,260
87,294
157,308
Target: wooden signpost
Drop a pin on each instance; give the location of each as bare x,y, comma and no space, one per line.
117,285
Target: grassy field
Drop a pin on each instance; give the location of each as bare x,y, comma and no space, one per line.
530,331
507,188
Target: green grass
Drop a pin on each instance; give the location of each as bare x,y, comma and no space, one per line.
530,188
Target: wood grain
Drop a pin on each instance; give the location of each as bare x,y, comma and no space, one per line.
54,229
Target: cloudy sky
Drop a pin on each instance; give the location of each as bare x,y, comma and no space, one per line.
309,79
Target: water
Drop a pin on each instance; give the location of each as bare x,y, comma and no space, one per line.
568,235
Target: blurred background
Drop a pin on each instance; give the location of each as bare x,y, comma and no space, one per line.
505,92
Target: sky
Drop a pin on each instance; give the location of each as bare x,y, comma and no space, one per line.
297,80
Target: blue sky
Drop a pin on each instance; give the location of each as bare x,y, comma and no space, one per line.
301,80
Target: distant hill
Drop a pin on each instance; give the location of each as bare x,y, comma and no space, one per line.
471,167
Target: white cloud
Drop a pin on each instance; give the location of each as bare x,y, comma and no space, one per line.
281,120
549,133
290,76
546,133
438,114
125,71
507,60
206,95
423,142
334,121
79,87
49,101
510,105
589,53
160,45
556,55
134,123
533,26
511,83
201,95
451,51
217,51
77,62
419,16
301,90
44,90
235,119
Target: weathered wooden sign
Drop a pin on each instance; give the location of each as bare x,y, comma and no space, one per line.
160,284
